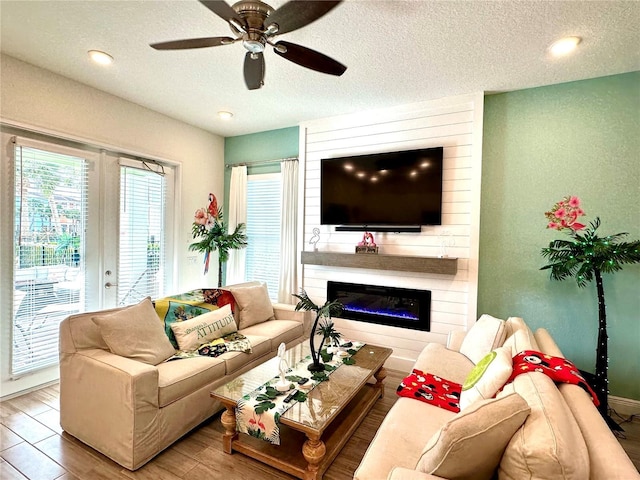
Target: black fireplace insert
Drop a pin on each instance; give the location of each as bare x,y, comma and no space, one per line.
396,307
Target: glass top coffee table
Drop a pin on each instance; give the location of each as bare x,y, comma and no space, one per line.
313,432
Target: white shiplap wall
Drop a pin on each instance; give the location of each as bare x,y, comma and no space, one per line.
454,123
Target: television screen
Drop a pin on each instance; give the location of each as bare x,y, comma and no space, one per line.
397,188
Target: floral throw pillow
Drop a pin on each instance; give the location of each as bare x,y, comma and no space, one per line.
431,389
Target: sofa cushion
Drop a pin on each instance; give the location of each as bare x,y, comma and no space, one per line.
487,377
234,361
204,328
253,305
135,332
549,444
469,446
400,439
439,360
486,334
519,336
180,378
278,331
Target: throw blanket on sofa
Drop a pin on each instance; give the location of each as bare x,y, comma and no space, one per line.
234,342
257,413
184,306
431,389
557,368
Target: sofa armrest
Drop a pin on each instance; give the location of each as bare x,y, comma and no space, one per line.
607,458
401,473
102,396
454,339
546,343
285,311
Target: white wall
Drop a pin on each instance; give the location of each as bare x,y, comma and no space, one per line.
456,124
50,103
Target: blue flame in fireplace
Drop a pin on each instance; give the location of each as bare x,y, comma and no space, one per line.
382,312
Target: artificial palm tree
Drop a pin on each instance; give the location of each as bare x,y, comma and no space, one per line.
210,227
325,311
586,256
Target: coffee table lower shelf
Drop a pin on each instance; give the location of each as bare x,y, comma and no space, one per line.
288,456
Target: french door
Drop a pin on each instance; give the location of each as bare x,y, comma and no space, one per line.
90,231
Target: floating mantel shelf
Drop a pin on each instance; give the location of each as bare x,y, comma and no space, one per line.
377,261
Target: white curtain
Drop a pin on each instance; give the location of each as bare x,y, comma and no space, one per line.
237,215
288,231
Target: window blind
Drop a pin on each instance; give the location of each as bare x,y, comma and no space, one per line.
50,215
263,231
142,248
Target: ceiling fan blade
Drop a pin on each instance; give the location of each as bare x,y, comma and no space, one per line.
298,13
254,70
222,9
193,43
309,58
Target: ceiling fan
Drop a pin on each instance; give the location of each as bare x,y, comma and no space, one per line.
255,24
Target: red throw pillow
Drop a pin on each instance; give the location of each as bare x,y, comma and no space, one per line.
431,389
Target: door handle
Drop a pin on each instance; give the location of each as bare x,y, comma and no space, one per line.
109,285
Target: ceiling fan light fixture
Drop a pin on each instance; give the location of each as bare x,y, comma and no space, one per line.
224,115
564,46
100,57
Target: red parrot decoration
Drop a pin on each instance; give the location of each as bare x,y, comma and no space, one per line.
213,206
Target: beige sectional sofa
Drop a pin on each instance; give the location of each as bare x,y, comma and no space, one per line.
533,429
130,410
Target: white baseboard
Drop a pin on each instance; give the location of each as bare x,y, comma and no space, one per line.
625,407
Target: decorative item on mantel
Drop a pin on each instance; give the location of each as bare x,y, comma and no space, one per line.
367,245
587,256
315,239
325,311
446,241
209,227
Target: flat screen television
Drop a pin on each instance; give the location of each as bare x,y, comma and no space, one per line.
382,190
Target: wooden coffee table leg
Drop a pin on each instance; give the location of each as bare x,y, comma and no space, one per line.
313,451
228,420
380,375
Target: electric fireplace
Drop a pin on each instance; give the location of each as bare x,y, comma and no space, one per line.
396,307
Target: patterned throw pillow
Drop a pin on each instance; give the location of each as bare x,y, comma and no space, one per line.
184,306
431,389
487,377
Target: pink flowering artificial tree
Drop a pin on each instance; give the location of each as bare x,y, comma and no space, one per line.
210,230
586,256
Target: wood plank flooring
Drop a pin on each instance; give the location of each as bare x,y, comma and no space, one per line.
34,447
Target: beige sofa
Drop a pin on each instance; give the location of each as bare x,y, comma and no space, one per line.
562,435
129,410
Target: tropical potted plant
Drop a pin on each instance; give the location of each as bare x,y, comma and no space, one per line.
326,311
209,227
586,256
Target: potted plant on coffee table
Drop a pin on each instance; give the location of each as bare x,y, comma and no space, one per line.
325,311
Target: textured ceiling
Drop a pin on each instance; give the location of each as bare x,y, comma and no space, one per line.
397,52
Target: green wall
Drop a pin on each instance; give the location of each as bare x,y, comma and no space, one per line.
580,138
256,147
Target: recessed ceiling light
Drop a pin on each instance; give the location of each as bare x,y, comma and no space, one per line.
564,46
224,115
100,57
